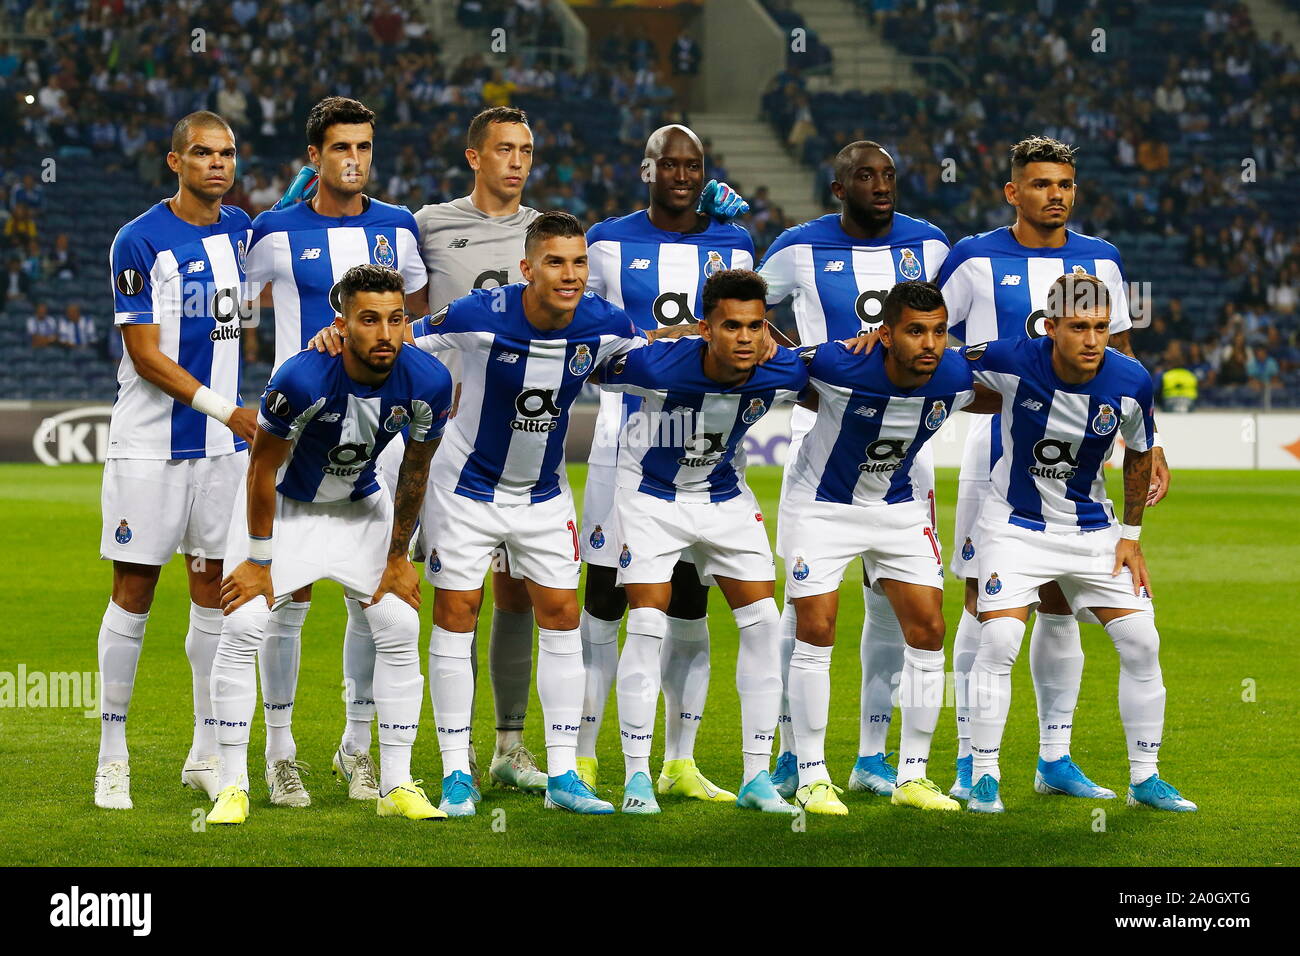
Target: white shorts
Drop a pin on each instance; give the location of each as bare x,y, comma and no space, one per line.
1015,562
540,539
722,538
971,495
343,541
155,508
894,541
596,540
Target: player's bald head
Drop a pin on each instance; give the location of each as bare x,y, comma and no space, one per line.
674,138
862,152
187,126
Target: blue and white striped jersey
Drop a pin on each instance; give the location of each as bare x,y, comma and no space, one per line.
1057,437
304,254
862,448
839,283
187,280
506,443
995,288
682,444
339,426
657,278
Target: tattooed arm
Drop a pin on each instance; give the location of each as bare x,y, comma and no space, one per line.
1137,482
400,577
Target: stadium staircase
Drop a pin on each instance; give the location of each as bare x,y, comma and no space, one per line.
754,157
863,60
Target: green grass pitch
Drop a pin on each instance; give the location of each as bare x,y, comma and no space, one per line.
1223,551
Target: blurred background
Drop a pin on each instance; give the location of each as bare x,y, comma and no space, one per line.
1186,116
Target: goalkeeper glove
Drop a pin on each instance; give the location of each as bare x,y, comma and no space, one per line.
721,201
302,188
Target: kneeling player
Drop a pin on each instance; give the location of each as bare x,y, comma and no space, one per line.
324,423
851,493
1064,399
680,495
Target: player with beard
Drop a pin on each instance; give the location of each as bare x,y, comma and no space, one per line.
996,286
178,437
653,264
302,252
839,269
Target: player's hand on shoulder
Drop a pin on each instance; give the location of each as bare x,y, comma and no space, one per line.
1159,477
243,422
328,339
1128,553
862,344
400,578
772,349
243,584
721,201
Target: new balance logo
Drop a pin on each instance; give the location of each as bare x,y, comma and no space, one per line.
458,243
328,417
312,253
639,264
510,358
195,266
1032,405
1011,280
834,265
866,411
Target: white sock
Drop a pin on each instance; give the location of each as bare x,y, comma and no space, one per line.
965,645
200,647
121,635
600,661
684,670
451,690
920,698
882,663
510,664
785,732
277,659
1141,690
638,685
234,687
758,680
990,692
358,679
1056,664
399,686
560,681
810,701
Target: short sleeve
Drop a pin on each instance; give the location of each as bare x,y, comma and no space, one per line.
131,264
438,332
259,265
631,371
957,291
1137,417
778,270
287,405
414,274
429,412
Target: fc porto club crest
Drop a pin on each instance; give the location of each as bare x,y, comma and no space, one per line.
625,557
938,414
909,266
435,562
123,533
800,569
241,253
597,538
581,361
754,412
1105,421
967,550
714,264
398,418
993,585
383,252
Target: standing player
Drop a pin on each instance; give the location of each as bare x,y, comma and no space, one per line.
853,493
177,436
1065,398
679,493
653,264
316,509
302,251
839,269
996,286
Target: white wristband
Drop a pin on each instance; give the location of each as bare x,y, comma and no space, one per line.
1130,532
208,402
259,549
